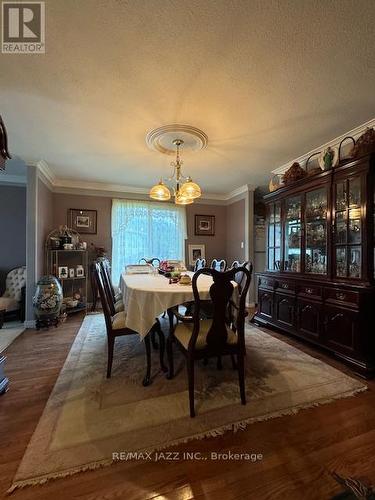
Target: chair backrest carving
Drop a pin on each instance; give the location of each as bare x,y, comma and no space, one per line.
219,265
222,297
199,264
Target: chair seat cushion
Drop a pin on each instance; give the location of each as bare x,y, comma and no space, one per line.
9,304
184,331
119,320
119,306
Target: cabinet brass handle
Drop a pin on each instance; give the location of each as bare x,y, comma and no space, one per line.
340,296
336,316
285,286
309,290
306,308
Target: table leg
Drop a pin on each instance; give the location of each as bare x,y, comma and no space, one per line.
162,349
170,316
147,379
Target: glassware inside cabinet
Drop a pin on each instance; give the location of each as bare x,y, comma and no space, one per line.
316,231
355,262
341,228
355,225
341,195
274,237
355,192
293,235
341,264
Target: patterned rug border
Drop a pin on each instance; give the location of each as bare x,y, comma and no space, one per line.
219,431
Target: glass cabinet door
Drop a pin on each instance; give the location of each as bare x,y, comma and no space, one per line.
348,230
316,231
274,237
293,229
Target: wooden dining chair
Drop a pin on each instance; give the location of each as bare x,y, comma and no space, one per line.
240,277
199,263
219,265
222,335
116,327
115,291
115,301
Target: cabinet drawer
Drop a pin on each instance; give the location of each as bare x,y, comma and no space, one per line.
342,296
265,282
285,286
341,329
284,310
310,291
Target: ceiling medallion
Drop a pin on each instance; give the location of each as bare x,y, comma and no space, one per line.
162,139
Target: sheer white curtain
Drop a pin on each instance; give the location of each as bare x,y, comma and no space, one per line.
146,229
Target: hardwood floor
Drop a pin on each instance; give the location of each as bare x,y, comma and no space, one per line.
298,452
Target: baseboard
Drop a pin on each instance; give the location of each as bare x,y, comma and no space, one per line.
30,323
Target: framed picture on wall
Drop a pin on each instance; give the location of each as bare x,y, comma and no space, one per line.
196,252
83,221
205,225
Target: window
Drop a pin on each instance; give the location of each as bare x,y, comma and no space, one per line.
146,229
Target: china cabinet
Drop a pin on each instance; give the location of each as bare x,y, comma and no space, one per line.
319,283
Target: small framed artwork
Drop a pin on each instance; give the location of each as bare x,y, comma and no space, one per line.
205,225
83,221
80,272
63,271
196,252
71,273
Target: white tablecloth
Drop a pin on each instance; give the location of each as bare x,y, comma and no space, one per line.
147,296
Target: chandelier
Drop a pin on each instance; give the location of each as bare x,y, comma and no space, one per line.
184,190
4,153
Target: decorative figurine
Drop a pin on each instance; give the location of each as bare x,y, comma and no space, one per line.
328,158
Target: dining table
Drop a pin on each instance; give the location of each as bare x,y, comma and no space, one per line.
148,296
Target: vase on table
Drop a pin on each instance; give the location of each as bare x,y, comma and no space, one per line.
47,301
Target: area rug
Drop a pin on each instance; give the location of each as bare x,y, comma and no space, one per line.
88,418
9,332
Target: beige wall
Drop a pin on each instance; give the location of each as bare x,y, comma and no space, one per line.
45,223
215,245
103,205
235,231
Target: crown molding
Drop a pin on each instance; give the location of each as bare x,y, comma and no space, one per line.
71,186
355,132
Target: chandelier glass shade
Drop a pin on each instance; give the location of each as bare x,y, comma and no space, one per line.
185,191
160,192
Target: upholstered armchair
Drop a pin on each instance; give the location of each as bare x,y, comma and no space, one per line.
13,299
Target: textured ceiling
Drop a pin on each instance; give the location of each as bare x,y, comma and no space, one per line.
266,80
